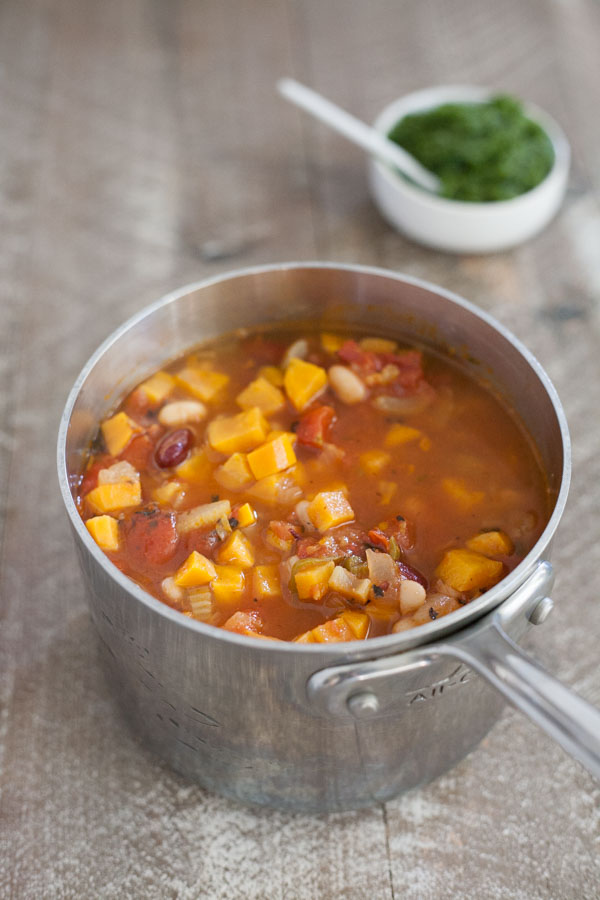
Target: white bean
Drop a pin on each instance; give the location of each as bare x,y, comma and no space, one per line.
402,625
181,412
412,596
346,384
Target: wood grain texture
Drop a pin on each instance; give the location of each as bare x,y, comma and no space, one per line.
142,146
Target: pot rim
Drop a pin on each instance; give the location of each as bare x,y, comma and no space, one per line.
386,644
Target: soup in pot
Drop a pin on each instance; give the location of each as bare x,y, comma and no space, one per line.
313,487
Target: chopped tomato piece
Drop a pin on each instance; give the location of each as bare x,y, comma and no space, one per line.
90,477
313,425
138,452
151,537
365,360
378,539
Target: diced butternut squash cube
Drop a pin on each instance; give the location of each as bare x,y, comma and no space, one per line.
333,631
401,434
229,585
234,474
465,570
196,469
237,550
328,509
386,491
108,498
331,343
349,585
158,387
357,621
463,496
203,516
117,432
196,570
275,489
273,374
312,582
274,456
202,383
266,582
378,345
170,493
491,543
245,516
303,381
105,531
372,462
306,638
263,394
239,433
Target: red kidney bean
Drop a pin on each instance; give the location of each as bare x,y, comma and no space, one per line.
173,448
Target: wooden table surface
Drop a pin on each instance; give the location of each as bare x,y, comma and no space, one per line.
142,146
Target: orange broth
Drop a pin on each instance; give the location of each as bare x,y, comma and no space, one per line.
341,515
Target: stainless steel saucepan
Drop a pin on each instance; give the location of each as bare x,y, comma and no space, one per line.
325,727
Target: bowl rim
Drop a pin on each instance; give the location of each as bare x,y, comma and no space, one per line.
378,646
436,95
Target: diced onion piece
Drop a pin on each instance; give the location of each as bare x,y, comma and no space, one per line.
346,384
347,584
171,591
402,406
120,473
381,567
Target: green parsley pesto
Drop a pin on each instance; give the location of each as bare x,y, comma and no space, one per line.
480,151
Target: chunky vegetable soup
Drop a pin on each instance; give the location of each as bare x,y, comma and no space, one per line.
313,487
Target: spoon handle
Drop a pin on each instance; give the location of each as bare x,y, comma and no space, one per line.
356,131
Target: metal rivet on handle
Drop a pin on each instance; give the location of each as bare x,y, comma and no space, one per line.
363,704
541,611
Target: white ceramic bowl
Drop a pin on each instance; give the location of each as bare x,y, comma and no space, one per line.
453,225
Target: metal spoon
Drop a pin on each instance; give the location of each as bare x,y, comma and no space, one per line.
356,131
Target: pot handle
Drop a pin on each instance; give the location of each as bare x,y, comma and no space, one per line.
352,688
571,721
